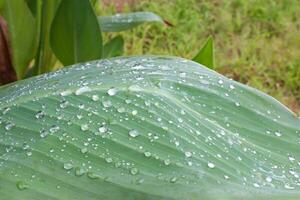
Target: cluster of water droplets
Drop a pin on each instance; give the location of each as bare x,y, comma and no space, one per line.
160,117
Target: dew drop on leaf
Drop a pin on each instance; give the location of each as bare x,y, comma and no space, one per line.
256,185
95,97
188,154
147,154
112,91
106,103
134,171
103,129
108,160
167,161
173,180
79,171
133,133
22,185
269,179
68,166
39,115
9,126
84,127
82,90
84,150
211,165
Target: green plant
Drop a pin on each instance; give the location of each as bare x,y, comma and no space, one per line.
145,128
42,31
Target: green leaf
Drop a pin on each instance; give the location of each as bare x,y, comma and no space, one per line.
145,128
44,59
33,5
75,34
22,33
114,47
206,54
121,22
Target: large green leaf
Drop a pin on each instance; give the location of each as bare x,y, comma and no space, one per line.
145,128
121,22
206,54
75,34
22,32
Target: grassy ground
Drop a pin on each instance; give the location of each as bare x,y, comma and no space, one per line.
257,42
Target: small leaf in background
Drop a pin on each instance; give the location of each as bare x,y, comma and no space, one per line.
45,59
206,54
75,33
20,20
121,22
114,47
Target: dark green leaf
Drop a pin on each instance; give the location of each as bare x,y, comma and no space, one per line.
114,47
145,128
75,33
206,54
22,32
121,22
44,59
33,5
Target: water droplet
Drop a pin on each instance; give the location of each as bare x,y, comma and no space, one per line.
103,129
54,129
167,162
79,171
84,150
43,133
9,126
40,115
231,87
68,166
291,158
5,110
220,81
188,154
93,175
112,91
147,154
269,179
95,98
133,133
64,104
211,165
278,133
84,127
22,185
173,179
108,160
82,90
140,181
121,109
287,186
237,104
256,185
29,153
134,171
66,93
106,103
134,112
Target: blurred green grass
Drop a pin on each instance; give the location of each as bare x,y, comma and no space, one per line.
257,42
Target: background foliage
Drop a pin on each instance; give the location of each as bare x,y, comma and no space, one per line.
256,42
